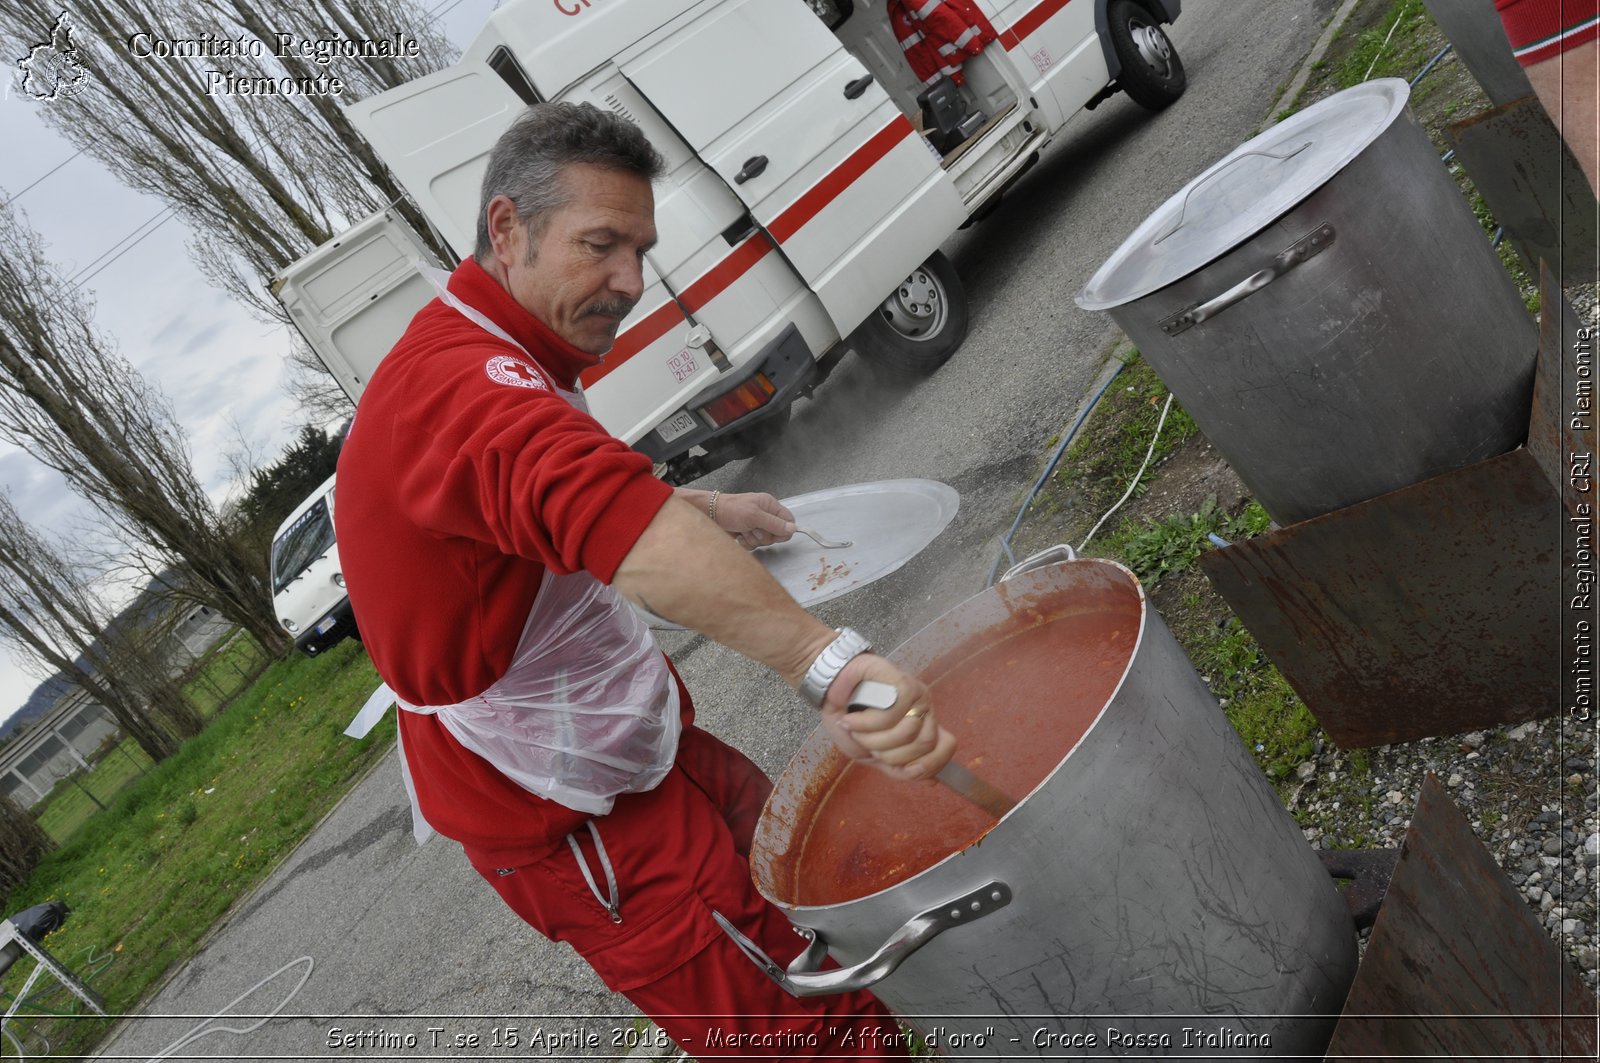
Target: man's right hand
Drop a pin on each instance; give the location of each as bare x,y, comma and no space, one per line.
903,741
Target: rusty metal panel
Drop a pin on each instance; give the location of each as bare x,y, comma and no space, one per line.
1457,966
1429,610
1533,186
1562,433
1480,42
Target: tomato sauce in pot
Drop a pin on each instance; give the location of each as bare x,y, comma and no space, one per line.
1017,697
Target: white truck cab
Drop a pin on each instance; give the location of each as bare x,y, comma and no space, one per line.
812,174
307,582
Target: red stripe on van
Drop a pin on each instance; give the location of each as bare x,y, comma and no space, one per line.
724,274
638,336
1012,36
714,282
828,189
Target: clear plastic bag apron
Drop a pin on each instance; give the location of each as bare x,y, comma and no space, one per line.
588,708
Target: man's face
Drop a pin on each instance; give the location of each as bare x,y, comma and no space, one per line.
584,272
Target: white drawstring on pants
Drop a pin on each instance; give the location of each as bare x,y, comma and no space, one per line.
613,904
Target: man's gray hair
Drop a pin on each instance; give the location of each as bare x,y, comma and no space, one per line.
527,161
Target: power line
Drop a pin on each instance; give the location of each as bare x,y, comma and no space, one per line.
79,279
90,265
41,180
75,280
446,11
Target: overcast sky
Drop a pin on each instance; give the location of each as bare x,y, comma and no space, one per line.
219,366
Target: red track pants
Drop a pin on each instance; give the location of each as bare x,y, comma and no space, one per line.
678,853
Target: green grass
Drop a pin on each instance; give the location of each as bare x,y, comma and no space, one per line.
219,674
67,807
223,671
148,878
1157,548
1105,457
1378,53
1374,53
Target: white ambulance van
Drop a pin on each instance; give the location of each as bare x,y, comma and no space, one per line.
307,583
812,174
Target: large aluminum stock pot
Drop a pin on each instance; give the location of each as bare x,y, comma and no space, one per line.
1149,883
1327,307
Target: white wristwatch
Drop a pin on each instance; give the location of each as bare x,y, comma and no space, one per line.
830,662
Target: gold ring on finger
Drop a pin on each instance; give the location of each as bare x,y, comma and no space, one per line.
914,714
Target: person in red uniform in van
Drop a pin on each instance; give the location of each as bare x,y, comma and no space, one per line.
493,535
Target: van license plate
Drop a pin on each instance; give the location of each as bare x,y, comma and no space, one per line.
327,624
680,423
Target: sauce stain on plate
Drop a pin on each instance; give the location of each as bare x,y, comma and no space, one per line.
828,574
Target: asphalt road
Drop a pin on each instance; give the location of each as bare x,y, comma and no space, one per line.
402,938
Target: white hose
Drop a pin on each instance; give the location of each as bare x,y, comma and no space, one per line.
1382,46
1129,492
203,1028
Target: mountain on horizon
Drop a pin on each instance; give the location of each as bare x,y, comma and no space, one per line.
44,695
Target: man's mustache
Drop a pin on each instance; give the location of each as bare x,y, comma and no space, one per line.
617,308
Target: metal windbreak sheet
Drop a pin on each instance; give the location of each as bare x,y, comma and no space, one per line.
1427,611
1458,967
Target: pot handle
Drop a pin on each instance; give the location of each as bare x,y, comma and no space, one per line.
805,978
1050,555
1307,247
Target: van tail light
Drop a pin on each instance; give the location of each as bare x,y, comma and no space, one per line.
747,397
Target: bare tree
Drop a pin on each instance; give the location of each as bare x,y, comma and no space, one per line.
319,395
23,844
48,610
72,402
262,178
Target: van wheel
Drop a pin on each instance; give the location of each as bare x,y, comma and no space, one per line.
1152,74
920,325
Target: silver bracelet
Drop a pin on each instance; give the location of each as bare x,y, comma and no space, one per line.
711,506
829,663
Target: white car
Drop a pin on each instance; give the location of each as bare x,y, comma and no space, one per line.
307,582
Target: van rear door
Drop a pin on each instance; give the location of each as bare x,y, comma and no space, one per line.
435,133
824,160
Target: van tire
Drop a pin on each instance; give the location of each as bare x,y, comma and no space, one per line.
1152,74
917,329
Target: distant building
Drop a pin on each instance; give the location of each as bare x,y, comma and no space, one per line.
54,747
60,741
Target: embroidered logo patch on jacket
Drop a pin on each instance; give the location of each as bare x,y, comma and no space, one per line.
514,372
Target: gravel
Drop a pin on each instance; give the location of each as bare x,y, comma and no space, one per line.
1529,792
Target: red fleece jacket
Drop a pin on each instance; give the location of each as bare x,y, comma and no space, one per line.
464,476
1541,29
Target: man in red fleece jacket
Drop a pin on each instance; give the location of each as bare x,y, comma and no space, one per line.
490,532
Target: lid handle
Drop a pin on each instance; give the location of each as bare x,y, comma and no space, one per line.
1183,209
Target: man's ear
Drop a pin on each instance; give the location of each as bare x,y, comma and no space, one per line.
506,230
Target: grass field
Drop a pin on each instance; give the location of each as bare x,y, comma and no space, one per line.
221,673
149,877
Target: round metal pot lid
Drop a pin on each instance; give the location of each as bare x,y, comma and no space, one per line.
1254,185
886,523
